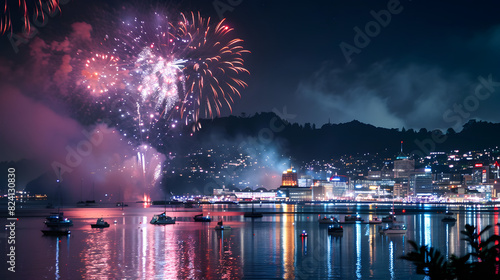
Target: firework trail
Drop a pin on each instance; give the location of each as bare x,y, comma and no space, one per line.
10,9
149,164
214,64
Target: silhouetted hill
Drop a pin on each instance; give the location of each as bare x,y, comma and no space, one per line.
306,142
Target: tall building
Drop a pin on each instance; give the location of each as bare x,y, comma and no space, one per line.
305,181
403,165
384,173
289,178
480,174
421,182
322,190
290,188
401,189
403,168
340,185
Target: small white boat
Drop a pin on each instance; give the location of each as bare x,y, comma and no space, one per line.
162,219
374,221
100,224
303,234
394,229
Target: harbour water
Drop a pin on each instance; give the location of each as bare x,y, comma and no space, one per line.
265,248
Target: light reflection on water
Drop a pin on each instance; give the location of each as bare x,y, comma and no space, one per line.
358,251
427,230
57,258
391,259
288,242
270,247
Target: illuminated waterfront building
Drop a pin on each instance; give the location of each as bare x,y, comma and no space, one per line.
290,188
289,178
305,181
340,185
421,182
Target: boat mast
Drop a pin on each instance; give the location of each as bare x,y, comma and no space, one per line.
120,196
81,190
253,210
59,191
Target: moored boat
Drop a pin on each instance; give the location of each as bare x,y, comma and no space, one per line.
449,219
201,218
162,219
374,221
394,229
335,229
57,220
389,219
100,224
353,219
329,221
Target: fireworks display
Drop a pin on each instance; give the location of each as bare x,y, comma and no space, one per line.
157,74
214,63
148,74
102,73
164,72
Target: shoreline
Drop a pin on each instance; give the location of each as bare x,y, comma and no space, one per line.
329,208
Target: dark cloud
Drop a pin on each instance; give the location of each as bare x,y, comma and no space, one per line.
385,95
426,60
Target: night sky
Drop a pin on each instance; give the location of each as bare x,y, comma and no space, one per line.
393,64
427,58
410,74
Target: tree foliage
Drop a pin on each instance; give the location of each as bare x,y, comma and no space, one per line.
483,262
